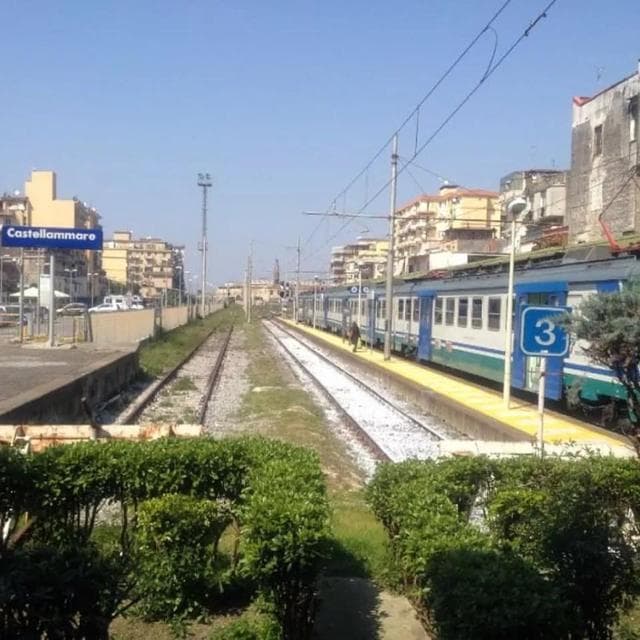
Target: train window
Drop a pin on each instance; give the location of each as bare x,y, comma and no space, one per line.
449,310
437,314
495,305
416,309
407,309
400,309
463,312
476,313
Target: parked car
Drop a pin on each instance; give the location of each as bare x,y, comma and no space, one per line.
121,302
72,309
105,307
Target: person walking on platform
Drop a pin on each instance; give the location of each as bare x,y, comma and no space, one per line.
355,335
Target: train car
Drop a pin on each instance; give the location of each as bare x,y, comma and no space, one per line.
460,321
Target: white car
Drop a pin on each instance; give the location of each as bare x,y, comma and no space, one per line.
104,308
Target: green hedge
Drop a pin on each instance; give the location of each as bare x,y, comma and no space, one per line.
170,501
513,548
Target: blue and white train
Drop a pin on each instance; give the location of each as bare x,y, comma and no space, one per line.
458,320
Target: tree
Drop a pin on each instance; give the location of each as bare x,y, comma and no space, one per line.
610,328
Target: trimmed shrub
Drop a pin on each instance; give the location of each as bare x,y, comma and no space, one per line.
176,545
286,529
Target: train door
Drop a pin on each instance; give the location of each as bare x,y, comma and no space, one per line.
425,327
346,316
526,369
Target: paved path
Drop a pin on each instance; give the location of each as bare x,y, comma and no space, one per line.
355,609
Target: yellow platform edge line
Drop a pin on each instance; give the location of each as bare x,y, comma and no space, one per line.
522,417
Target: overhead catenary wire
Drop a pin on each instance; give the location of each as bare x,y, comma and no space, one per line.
416,110
488,73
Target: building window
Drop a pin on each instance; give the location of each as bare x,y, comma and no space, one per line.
495,305
449,311
400,309
437,313
463,312
633,119
416,309
597,141
476,313
407,309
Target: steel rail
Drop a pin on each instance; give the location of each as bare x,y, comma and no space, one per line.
213,378
351,422
360,383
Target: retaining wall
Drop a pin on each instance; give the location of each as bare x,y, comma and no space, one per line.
60,400
173,317
122,327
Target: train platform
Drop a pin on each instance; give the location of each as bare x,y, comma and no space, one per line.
521,419
40,384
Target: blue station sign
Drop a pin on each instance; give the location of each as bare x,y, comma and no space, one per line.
50,237
540,335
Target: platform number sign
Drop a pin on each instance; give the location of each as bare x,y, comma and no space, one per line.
540,335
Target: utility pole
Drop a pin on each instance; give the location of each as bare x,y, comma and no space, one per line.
249,281
204,181
297,299
389,288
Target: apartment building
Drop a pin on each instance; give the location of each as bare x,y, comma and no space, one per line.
366,258
542,222
146,266
605,163
78,273
455,226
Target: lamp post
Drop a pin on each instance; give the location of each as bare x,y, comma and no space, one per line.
514,208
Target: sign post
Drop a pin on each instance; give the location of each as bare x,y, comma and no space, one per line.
12,235
542,337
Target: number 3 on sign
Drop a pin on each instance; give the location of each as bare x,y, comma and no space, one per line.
545,335
540,333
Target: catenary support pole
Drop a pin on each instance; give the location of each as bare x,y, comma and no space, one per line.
389,287
204,181
52,299
508,340
297,296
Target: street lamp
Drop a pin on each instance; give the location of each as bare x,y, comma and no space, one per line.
71,272
514,209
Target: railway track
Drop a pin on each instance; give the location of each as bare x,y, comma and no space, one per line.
183,394
390,432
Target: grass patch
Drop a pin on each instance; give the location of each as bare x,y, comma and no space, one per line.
164,352
184,384
276,406
360,542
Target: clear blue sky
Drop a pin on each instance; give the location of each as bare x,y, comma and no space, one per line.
283,102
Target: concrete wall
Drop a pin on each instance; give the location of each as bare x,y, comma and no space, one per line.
173,317
121,327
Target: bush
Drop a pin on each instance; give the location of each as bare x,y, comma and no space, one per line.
564,526
286,529
175,498
483,594
16,492
62,593
177,541
249,628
